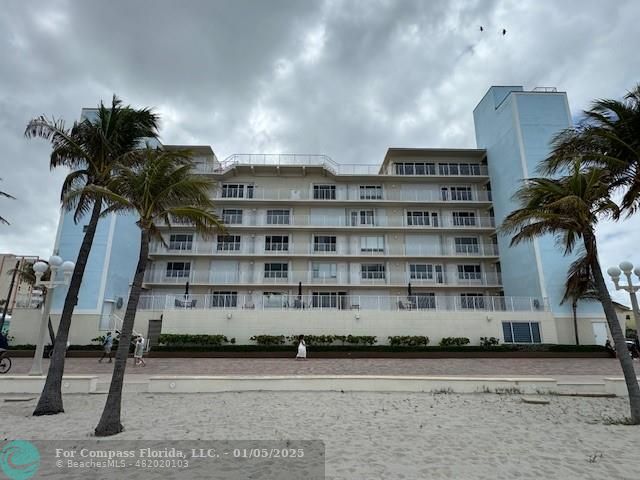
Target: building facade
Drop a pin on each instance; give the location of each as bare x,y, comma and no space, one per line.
404,247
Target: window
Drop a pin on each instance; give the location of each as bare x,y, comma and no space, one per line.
275,300
324,192
328,299
419,271
467,245
370,192
324,270
521,332
278,243
424,300
180,242
456,193
228,243
276,270
178,269
224,299
362,217
232,216
459,169
472,300
422,218
415,168
323,243
237,190
375,271
469,272
278,217
465,219
372,244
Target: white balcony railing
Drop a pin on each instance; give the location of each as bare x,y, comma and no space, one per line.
310,303
261,193
211,277
325,250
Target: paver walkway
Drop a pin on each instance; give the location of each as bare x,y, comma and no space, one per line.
361,366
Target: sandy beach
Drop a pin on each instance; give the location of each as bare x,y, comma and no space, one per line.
377,435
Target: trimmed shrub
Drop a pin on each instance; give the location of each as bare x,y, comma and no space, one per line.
408,341
489,341
454,341
268,339
170,339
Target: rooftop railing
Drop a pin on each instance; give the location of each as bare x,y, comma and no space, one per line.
311,303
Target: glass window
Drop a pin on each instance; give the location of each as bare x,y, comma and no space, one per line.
467,245
228,243
421,271
521,332
324,243
178,269
362,217
224,299
276,243
460,193
237,190
372,244
324,270
464,219
324,192
415,168
232,216
276,270
180,241
372,271
424,300
275,300
328,300
469,272
472,300
278,217
370,192
422,218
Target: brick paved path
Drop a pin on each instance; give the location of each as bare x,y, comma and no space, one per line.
282,366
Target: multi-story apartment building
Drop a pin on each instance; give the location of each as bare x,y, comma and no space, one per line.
405,246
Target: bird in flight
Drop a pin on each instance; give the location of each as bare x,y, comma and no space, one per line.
504,31
481,28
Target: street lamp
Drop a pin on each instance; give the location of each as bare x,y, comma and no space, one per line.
55,264
627,268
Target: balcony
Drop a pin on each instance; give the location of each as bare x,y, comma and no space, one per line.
323,221
340,195
210,277
323,250
311,303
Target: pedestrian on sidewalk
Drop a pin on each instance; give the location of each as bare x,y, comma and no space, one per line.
107,346
138,352
302,349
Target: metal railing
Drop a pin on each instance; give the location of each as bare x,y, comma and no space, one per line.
326,250
261,193
414,302
293,277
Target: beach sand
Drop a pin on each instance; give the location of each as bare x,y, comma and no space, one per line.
377,435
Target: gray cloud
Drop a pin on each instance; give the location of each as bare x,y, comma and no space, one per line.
345,78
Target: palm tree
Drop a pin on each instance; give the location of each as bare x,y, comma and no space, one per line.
6,195
159,186
608,136
579,286
569,208
91,149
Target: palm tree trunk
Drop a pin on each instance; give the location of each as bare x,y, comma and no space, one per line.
110,421
574,308
50,402
622,352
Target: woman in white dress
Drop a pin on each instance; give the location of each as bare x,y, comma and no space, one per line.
302,349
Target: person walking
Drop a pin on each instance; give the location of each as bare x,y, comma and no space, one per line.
302,349
107,346
138,352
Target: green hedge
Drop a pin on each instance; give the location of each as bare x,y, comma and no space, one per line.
454,341
171,339
409,341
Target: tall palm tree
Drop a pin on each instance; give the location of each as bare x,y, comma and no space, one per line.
91,149
159,186
608,136
6,195
579,286
569,208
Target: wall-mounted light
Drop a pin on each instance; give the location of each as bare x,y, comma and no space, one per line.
357,316
489,318
229,315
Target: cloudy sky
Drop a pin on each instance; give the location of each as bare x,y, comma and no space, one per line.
344,78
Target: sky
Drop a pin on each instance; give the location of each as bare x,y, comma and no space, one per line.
344,78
